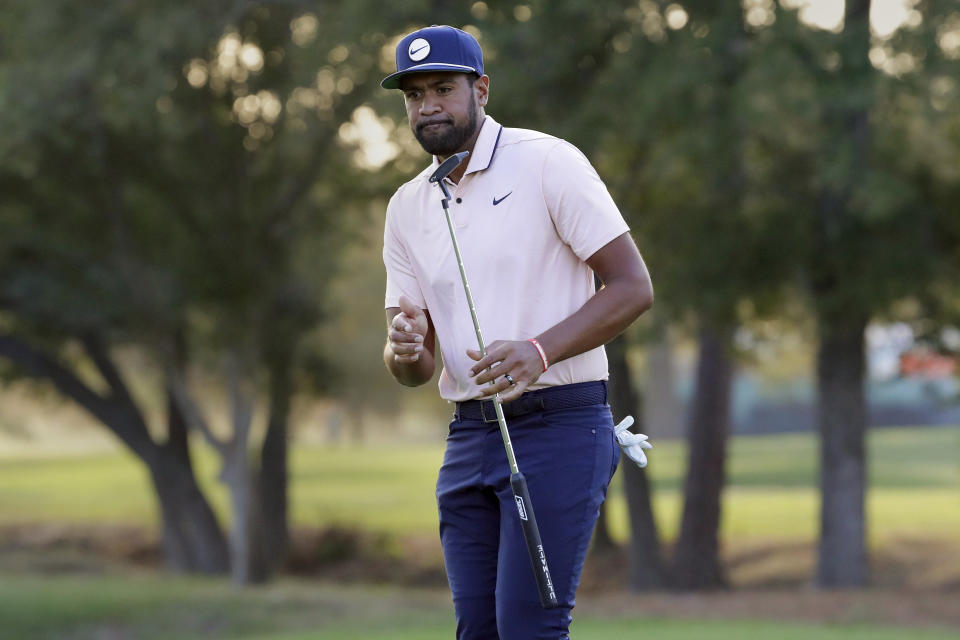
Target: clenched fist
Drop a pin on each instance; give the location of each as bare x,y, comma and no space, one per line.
407,332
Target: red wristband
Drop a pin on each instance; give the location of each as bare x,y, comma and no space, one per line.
543,354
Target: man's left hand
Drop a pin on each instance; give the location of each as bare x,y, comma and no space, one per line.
516,360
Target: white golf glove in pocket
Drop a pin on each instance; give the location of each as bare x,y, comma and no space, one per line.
632,444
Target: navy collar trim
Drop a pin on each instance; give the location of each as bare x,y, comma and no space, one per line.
496,143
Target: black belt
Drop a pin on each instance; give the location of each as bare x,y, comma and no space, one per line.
567,396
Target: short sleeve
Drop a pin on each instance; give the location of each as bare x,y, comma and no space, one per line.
584,213
401,278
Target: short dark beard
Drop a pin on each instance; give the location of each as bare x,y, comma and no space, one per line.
452,139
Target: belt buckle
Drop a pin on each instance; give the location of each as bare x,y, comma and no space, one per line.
483,411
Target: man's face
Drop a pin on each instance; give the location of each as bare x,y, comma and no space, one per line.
443,109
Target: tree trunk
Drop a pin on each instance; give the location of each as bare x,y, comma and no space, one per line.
843,311
662,410
646,567
192,539
842,418
602,542
246,565
646,571
237,478
272,480
696,561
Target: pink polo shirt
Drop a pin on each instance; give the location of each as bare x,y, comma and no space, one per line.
528,213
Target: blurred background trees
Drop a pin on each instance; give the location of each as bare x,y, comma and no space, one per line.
192,206
174,183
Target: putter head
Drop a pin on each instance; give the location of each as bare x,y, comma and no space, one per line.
448,165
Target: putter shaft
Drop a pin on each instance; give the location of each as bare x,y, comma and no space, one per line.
521,493
501,420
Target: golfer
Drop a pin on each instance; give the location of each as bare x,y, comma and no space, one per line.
535,223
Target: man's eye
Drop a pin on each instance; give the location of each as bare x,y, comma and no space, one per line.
443,90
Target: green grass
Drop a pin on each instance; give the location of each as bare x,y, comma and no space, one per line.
772,496
914,475
592,629
153,607
150,607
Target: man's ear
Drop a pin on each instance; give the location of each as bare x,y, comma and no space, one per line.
482,86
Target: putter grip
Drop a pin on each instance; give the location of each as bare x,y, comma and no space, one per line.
531,534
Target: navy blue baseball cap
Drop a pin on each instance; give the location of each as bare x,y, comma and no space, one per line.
436,48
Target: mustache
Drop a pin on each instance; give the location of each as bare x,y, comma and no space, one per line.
427,123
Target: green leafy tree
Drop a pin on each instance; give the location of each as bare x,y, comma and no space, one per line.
868,238
177,184
691,153
755,150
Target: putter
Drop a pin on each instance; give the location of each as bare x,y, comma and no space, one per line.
521,495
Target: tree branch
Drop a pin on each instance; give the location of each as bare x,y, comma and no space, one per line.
95,348
177,387
117,413
241,403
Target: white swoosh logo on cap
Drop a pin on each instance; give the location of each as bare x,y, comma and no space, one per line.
419,49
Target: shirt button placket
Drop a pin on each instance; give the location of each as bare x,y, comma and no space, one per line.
459,215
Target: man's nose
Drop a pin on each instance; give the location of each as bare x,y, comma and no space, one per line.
429,105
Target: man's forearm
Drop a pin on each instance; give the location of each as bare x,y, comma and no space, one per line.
600,320
410,374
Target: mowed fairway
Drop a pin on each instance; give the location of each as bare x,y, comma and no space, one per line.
914,487
152,607
771,500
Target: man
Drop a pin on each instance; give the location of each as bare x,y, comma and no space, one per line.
535,223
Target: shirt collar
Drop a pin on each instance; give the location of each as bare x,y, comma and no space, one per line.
483,151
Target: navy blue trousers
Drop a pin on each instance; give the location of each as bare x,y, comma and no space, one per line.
568,457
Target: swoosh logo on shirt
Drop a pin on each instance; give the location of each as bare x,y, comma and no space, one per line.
496,201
